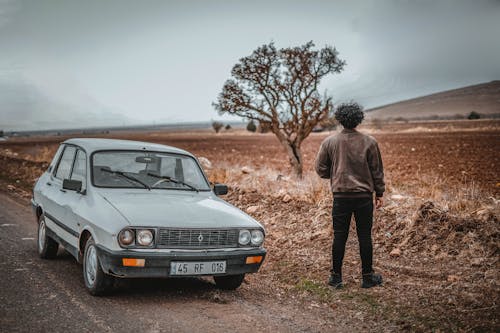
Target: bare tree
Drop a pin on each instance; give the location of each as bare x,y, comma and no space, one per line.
279,89
217,126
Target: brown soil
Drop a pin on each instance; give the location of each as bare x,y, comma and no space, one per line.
437,244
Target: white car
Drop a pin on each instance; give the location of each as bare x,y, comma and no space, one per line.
136,209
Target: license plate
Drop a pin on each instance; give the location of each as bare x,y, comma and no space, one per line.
197,268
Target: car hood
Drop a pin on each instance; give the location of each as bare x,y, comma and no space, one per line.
178,209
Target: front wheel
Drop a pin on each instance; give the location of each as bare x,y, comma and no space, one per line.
96,281
47,247
229,282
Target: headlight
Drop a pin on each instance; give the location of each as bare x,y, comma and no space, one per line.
245,237
257,237
126,237
144,237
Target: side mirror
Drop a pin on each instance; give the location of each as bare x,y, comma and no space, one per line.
220,189
72,185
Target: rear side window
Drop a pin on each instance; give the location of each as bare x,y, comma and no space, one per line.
80,168
65,163
56,158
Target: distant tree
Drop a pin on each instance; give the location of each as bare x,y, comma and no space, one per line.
251,126
1,133
473,115
328,123
280,88
217,126
228,127
264,127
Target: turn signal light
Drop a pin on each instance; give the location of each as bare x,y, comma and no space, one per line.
133,262
254,260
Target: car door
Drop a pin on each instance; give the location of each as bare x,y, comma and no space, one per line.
43,188
57,200
76,202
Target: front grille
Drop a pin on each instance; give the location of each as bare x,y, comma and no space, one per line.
197,238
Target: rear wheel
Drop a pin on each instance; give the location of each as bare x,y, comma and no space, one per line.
229,282
96,281
47,247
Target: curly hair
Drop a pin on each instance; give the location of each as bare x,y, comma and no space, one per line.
349,114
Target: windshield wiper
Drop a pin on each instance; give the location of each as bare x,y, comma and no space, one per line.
170,179
121,173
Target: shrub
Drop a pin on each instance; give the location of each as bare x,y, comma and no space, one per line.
329,123
473,115
228,127
251,126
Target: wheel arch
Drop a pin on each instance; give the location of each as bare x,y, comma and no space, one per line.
84,236
39,212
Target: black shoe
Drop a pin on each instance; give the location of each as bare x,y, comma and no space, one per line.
335,281
371,280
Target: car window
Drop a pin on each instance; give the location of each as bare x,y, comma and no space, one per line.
55,158
147,167
80,168
65,163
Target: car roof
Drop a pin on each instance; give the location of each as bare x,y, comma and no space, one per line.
94,144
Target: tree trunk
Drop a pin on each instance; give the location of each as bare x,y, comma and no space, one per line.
295,157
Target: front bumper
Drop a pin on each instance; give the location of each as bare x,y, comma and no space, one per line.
157,265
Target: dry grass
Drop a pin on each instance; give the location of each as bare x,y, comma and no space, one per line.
432,242
310,189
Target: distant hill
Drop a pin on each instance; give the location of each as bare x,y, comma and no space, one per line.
483,98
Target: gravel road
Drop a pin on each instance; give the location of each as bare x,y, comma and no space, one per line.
39,295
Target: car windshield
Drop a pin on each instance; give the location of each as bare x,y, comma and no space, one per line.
146,169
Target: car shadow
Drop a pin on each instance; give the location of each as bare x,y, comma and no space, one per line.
172,288
162,286
64,255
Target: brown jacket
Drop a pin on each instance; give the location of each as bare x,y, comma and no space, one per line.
352,162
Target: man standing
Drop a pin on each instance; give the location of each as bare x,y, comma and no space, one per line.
352,162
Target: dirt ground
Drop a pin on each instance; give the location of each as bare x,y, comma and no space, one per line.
436,241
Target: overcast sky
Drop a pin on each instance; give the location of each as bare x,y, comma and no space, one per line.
87,63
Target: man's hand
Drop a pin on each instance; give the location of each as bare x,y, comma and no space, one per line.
379,202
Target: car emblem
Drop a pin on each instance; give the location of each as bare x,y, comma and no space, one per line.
200,238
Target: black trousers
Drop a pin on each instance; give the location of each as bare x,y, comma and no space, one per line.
343,209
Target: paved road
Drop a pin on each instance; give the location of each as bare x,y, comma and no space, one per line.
39,295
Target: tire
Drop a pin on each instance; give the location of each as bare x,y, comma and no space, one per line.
47,247
229,282
96,281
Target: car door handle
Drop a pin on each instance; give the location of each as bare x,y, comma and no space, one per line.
49,183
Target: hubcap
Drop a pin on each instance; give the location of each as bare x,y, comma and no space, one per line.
41,236
91,265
